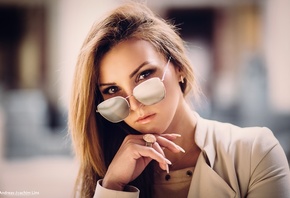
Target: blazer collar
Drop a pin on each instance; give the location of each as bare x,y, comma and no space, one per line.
204,139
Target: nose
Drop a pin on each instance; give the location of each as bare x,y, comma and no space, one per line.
134,104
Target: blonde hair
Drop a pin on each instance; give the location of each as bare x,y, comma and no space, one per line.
88,129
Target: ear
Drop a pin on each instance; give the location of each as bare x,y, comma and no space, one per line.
179,75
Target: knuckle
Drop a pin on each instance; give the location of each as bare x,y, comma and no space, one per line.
129,138
132,146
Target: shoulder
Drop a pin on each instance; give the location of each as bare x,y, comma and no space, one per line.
248,136
249,159
229,134
235,142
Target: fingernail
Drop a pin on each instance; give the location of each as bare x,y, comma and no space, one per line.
167,161
181,149
167,168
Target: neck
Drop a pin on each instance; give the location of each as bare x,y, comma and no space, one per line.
184,123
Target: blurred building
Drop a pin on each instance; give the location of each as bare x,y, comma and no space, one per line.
239,50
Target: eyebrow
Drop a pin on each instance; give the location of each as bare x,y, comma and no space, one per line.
131,75
106,84
138,68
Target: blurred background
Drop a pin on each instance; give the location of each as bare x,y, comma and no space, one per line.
239,49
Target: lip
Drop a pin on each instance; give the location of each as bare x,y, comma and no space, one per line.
146,119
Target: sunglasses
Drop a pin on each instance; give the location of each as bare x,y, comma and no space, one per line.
149,92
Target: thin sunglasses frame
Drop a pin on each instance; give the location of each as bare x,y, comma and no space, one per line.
125,99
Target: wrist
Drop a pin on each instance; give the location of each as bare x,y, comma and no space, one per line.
112,185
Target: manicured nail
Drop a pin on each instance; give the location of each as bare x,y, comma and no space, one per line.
181,149
167,161
167,168
176,135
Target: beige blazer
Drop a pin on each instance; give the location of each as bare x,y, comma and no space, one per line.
234,162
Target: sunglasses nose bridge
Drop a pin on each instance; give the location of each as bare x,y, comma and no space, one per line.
133,102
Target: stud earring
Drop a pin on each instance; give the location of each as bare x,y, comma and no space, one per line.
182,79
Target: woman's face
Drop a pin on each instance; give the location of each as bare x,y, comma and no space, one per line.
130,63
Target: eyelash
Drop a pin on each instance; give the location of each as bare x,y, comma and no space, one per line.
107,90
145,74
141,77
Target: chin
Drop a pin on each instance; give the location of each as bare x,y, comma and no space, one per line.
150,129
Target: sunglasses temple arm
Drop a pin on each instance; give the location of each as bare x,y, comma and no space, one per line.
166,68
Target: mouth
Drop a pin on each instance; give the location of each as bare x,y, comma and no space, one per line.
146,119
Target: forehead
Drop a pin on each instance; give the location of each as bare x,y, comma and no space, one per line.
127,56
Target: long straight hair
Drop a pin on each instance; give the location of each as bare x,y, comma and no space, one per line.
96,140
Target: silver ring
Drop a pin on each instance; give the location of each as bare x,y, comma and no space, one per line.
149,139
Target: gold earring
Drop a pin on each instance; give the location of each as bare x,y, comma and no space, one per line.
181,79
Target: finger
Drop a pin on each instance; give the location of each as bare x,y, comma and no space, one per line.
158,148
164,141
155,152
171,136
163,166
144,151
169,145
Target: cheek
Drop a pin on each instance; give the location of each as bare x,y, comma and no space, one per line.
169,105
173,94
173,90
172,98
172,84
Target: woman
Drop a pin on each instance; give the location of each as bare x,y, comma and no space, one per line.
134,133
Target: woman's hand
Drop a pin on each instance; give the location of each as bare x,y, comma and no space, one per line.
133,156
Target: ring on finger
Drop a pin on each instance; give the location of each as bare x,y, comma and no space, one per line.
149,139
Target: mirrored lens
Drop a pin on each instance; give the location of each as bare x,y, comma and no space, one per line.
150,91
114,109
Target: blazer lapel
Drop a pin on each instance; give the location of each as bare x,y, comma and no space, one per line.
207,183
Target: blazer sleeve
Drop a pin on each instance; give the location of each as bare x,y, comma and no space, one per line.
129,192
270,176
